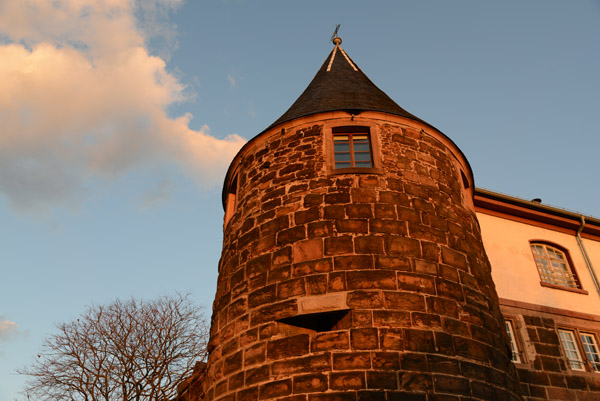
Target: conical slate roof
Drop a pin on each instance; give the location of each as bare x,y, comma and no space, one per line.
341,85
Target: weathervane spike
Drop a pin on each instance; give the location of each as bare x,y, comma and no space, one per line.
337,27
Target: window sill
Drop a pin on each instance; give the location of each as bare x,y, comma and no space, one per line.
562,287
355,170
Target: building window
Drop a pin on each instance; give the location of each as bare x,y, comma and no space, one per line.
352,147
515,357
567,339
590,346
553,265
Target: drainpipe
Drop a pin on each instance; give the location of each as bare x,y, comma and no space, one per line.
586,257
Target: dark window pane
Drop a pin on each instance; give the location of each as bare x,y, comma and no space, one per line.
362,157
342,165
361,146
342,146
342,157
363,164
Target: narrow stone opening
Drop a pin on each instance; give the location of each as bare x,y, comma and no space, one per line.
465,181
319,322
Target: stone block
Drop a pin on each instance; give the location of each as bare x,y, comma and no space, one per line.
306,216
415,382
291,235
313,363
378,226
282,256
236,381
257,375
419,340
351,360
337,198
451,384
391,318
471,349
273,312
255,354
347,380
247,394
316,284
410,361
322,303
425,320
279,274
334,212
311,383
353,262
339,245
404,300
262,296
369,244
385,211
233,362
307,250
371,279
402,246
334,396
382,380
392,263
416,283
260,264
330,341
337,281
365,299
288,347
391,339
352,226
312,267
365,338
363,195
320,229
359,210
275,389
312,200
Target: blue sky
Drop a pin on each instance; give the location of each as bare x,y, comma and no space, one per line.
119,120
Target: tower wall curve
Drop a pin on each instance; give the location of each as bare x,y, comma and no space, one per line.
356,283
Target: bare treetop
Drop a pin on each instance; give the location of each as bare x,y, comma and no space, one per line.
127,350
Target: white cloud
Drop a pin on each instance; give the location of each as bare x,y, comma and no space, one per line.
81,97
231,79
8,329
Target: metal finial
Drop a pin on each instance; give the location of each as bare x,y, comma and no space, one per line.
334,38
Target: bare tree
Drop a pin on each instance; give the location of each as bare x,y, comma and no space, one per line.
128,350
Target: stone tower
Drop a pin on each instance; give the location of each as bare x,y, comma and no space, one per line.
352,265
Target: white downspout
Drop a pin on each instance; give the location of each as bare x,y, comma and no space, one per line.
586,257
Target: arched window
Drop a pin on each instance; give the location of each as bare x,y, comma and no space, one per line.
554,265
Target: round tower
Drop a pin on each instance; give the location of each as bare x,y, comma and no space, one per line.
352,265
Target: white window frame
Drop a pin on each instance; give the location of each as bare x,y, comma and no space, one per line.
568,341
515,354
591,350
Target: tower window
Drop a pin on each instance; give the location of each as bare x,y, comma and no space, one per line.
352,147
515,355
553,266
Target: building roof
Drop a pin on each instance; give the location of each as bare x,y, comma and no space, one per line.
518,209
340,85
